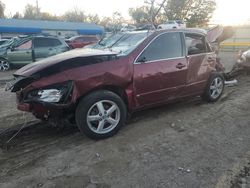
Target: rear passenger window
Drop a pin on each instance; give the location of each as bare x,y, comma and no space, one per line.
195,44
165,46
46,42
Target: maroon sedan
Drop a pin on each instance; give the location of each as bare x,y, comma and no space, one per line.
81,41
98,88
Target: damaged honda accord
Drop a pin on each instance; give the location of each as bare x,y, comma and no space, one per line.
97,89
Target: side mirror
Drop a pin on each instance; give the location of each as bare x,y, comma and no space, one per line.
142,59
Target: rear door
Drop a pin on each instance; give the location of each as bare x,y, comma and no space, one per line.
160,71
201,62
45,47
21,54
42,48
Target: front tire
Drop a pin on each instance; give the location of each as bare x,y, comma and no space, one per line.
214,88
100,114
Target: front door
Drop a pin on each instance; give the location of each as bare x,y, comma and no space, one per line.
160,71
21,54
44,47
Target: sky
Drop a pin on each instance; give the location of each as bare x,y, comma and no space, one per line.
228,12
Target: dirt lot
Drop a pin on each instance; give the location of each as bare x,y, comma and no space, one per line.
189,144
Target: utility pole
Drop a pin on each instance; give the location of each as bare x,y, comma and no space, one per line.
37,10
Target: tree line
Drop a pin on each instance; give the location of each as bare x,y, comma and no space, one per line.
193,12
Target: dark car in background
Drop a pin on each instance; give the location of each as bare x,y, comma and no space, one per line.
81,41
98,88
30,49
146,27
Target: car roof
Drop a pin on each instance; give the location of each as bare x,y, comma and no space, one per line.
186,30
41,36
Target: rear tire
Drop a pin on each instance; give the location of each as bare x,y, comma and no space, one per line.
214,88
101,114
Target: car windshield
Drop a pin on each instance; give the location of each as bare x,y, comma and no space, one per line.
108,41
129,42
12,42
8,42
122,43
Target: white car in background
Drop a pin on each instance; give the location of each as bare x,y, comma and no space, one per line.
128,28
173,24
245,56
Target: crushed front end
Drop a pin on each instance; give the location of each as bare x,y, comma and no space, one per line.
50,101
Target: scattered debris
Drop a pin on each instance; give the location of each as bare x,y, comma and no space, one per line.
98,156
231,83
184,170
241,66
39,185
172,125
180,168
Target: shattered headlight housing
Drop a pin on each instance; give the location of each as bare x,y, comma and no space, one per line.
49,95
52,94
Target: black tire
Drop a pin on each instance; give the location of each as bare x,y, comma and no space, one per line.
86,105
207,95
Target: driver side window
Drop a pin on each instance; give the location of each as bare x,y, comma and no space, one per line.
165,46
25,46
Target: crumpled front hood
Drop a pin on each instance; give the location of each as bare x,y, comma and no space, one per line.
38,66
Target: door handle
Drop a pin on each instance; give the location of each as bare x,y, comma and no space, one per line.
180,66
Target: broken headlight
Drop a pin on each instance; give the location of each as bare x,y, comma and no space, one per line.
53,94
49,95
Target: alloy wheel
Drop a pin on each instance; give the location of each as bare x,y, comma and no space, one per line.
4,65
216,88
103,116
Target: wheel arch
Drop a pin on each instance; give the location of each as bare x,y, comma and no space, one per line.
115,89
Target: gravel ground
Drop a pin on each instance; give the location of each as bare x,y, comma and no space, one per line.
188,144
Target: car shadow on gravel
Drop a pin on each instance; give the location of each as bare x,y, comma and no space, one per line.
158,111
37,134
44,136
